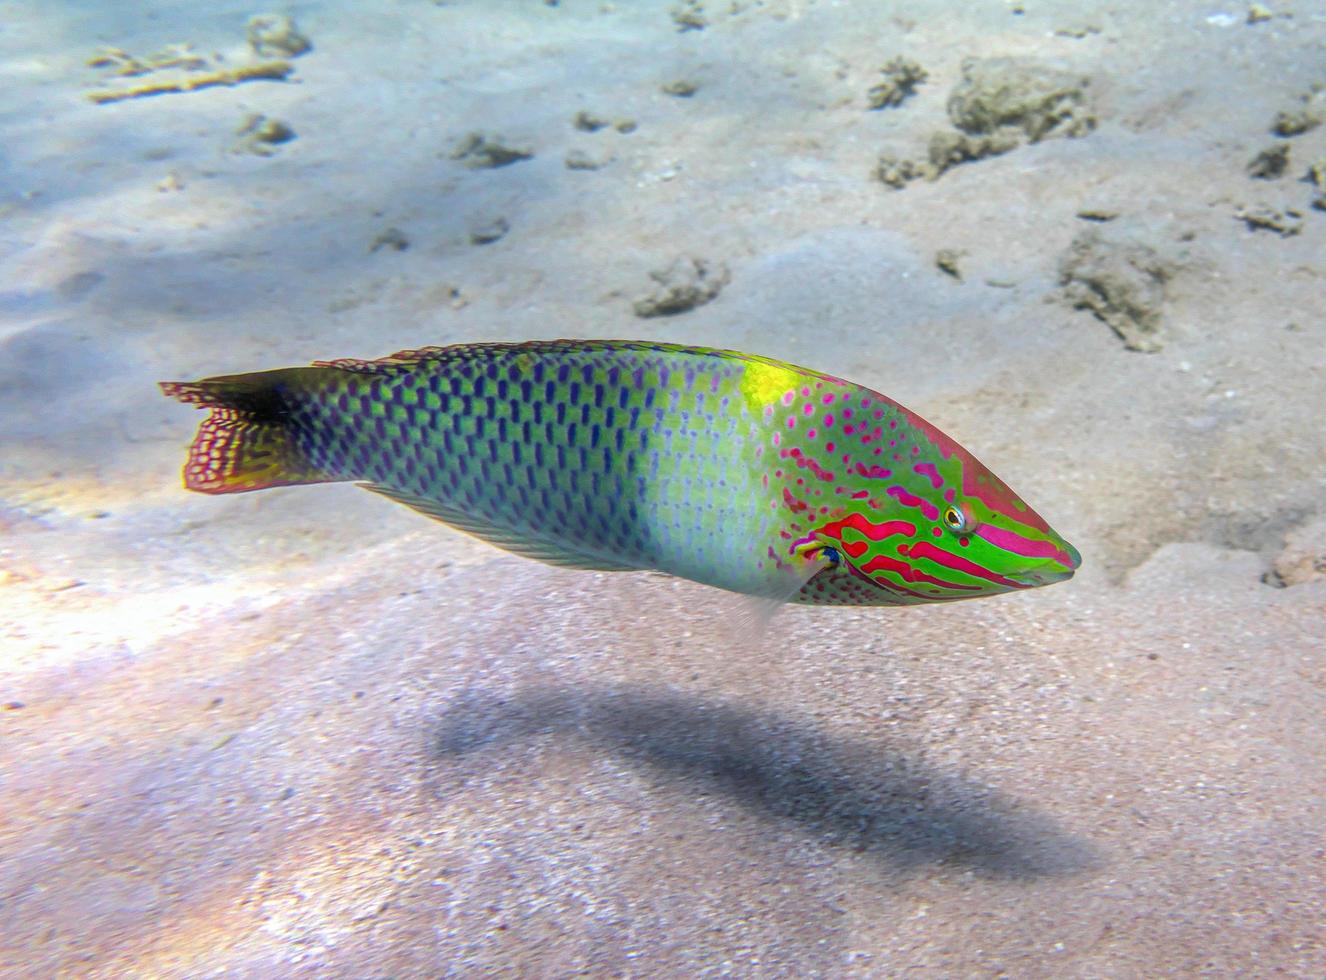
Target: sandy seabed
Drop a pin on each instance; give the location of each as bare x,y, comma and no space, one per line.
307,733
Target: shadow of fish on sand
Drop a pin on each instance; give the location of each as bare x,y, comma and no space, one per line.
851,794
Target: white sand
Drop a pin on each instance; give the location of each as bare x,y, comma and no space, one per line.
307,733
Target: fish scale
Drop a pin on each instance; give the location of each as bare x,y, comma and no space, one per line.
730,469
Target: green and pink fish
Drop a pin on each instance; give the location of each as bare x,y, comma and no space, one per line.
730,469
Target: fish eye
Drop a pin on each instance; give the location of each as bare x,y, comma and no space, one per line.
831,556
954,519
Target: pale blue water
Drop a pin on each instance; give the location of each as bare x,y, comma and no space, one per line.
305,733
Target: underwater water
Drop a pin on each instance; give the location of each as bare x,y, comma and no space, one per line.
308,732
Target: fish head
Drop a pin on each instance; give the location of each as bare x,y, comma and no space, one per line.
938,525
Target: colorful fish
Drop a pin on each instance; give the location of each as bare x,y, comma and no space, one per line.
730,469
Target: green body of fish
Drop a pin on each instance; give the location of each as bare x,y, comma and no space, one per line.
729,469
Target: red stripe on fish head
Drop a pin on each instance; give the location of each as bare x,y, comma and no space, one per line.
908,507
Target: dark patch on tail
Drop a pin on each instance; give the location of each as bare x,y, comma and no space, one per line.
248,442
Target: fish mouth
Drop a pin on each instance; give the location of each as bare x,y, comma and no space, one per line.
1044,576
1060,568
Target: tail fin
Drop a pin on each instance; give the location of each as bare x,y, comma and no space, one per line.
247,442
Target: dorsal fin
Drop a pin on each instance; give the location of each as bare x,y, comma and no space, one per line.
460,352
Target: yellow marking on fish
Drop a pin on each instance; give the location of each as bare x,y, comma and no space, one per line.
765,383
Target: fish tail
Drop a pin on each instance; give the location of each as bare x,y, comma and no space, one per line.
248,442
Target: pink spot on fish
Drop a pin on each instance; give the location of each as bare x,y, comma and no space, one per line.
815,468
795,505
930,511
929,472
873,472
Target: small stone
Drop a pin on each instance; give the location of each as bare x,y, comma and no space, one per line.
393,238
261,135
897,173
490,232
580,160
689,16
947,149
680,88
1304,116
1077,31
901,76
1295,122
681,286
1304,556
1270,163
1316,176
624,126
1024,94
1122,281
1258,13
587,122
480,151
1285,222
276,36
946,261
1098,214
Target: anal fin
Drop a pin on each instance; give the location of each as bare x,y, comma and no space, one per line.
515,541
